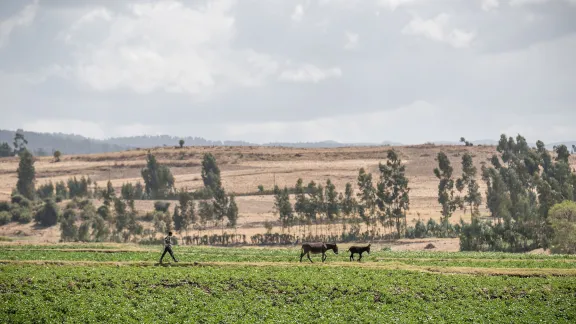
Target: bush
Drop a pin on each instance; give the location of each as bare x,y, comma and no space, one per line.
104,212
562,218
48,215
148,217
25,217
22,201
16,212
59,199
161,206
5,218
5,206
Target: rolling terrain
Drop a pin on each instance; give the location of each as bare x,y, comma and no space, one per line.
244,168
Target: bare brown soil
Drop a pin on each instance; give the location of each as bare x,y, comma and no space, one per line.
244,168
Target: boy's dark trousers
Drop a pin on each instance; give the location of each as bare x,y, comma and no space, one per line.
169,250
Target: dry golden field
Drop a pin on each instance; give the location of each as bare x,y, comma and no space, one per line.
244,168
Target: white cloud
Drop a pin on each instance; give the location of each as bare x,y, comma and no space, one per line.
86,19
170,47
438,29
68,126
22,19
89,128
310,73
351,40
488,5
518,3
395,4
298,13
365,127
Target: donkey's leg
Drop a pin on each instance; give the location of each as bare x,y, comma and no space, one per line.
351,256
301,255
309,257
360,256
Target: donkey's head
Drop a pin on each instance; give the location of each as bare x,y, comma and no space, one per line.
368,248
332,247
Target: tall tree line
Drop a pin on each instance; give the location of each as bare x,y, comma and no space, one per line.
320,210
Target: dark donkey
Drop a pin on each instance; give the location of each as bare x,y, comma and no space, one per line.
316,248
359,250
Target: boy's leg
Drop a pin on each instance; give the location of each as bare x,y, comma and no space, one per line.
172,254
162,257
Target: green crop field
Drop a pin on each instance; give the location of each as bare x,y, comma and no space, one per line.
88,283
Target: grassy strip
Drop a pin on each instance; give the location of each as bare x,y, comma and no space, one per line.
272,255
517,272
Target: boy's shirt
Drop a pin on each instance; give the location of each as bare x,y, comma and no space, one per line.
168,242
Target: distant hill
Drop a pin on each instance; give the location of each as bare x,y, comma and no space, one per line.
46,143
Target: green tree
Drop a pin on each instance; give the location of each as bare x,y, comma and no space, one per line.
48,214
68,228
84,231
472,198
108,194
121,214
128,192
210,172
446,196
366,198
181,142
283,207
100,229
347,203
45,191
57,155
393,191
177,218
206,212
318,203
26,175
187,211
562,219
6,150
232,214
20,142
158,179
220,203
332,205
61,190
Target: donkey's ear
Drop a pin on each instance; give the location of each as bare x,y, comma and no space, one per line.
369,245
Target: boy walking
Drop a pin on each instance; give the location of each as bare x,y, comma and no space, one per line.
168,247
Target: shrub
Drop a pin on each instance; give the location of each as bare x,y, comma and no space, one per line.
161,206
104,212
5,206
148,217
45,190
84,232
48,215
22,201
16,212
25,217
562,218
5,218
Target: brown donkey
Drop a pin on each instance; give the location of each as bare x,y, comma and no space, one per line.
316,248
359,250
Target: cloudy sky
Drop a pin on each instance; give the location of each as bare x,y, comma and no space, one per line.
280,70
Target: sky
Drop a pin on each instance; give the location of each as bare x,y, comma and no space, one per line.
408,71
